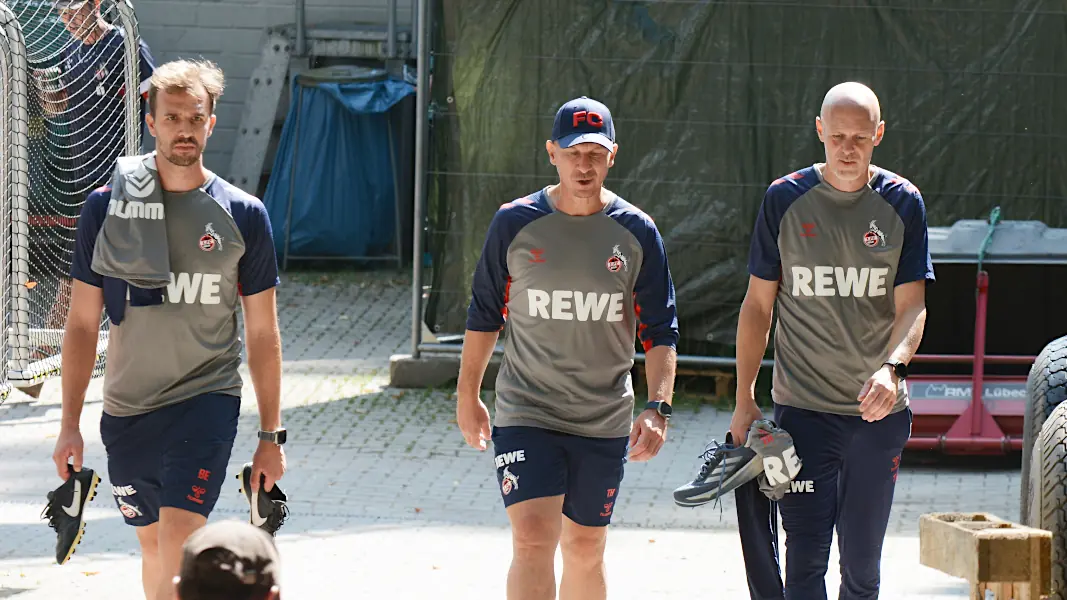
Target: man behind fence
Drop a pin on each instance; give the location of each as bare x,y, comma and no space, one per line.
842,247
94,81
87,100
169,250
574,270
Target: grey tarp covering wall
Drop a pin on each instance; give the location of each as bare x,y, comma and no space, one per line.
715,99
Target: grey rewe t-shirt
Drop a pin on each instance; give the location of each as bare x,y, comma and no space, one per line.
182,341
574,292
838,257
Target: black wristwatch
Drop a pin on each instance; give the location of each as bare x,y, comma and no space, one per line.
277,437
663,409
899,368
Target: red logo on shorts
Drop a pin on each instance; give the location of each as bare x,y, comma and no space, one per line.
607,509
198,491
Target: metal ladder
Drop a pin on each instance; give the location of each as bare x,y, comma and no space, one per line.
279,61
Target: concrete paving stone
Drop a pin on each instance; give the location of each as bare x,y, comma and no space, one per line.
379,477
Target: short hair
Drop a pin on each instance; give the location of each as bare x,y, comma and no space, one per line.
228,560
211,578
186,75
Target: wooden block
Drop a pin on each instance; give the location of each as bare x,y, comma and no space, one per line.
1005,591
723,383
723,380
985,549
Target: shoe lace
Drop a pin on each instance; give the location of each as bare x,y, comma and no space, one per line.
712,453
277,516
49,513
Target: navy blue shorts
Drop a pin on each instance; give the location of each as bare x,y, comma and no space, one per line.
536,463
175,456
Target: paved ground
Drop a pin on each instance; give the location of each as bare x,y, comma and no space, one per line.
387,502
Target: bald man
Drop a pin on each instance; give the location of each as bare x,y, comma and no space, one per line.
841,246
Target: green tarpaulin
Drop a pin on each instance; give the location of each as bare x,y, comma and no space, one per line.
714,100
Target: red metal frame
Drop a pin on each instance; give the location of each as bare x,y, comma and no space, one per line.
984,426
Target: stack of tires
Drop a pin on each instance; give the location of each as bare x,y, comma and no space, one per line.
1044,477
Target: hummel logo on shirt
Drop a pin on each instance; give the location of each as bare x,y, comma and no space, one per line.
135,209
140,184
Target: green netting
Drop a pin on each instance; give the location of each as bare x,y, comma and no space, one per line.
714,100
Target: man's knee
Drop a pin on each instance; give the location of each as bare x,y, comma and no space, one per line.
583,546
535,527
535,535
176,524
808,552
148,536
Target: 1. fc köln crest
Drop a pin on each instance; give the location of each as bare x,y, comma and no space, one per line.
210,240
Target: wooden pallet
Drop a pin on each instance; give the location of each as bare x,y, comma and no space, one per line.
1012,561
723,381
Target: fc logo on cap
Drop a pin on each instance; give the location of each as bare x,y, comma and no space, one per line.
592,118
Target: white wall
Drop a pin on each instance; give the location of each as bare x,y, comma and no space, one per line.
230,32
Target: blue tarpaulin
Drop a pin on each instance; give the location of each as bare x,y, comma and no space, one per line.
332,189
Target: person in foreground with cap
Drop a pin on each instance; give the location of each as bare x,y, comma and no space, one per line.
576,273
229,560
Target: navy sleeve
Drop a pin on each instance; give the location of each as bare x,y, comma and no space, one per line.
89,223
654,300
258,268
764,260
915,262
489,289
147,67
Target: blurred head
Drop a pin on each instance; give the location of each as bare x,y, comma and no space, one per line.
181,108
850,126
583,146
229,560
78,16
